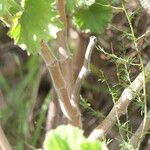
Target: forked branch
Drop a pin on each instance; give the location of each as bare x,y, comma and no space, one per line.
69,110
121,105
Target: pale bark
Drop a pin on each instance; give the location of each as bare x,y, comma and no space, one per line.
84,70
69,109
55,116
4,144
146,5
64,52
121,105
81,49
138,136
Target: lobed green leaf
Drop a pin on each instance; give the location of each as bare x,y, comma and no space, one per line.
6,6
70,6
38,21
70,138
95,145
74,5
3,7
95,18
84,3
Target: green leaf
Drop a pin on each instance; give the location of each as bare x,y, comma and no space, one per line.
41,119
5,6
94,19
54,142
95,145
70,6
73,5
84,3
1,7
70,138
14,7
38,21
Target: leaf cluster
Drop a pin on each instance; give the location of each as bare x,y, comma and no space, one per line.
31,21
70,138
90,15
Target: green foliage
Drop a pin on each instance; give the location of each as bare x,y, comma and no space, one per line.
41,119
70,6
9,6
70,138
4,7
2,4
90,15
35,23
95,145
20,100
116,2
91,111
73,5
95,18
85,3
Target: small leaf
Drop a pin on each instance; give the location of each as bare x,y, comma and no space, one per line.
94,19
35,23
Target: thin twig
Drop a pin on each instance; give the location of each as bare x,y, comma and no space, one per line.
4,144
143,35
84,70
69,109
138,136
138,50
121,105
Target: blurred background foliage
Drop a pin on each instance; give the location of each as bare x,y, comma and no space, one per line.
25,83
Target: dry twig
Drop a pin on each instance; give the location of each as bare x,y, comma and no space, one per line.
84,70
65,64
121,105
69,109
138,136
4,144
